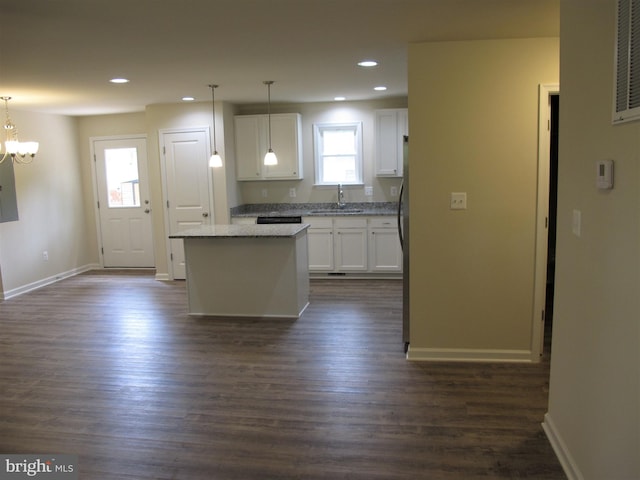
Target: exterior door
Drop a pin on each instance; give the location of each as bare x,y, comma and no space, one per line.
188,187
123,202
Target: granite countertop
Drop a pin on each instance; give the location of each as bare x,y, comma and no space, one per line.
243,231
315,209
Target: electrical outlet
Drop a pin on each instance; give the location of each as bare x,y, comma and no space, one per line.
45,256
368,191
394,191
292,192
458,201
264,193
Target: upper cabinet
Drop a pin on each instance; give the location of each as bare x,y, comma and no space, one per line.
391,125
252,142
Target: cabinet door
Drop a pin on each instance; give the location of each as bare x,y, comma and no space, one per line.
320,241
285,142
391,126
250,144
384,250
351,249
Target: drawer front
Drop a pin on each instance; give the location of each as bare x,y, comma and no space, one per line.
350,222
383,222
318,222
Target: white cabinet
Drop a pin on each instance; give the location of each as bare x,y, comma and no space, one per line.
385,253
391,125
252,142
351,244
320,241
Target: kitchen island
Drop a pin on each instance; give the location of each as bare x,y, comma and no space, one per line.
247,270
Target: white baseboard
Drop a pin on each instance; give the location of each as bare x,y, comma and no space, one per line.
6,295
164,277
468,355
569,466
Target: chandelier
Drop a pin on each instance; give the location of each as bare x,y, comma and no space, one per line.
20,152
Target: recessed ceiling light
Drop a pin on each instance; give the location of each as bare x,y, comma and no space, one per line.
119,80
188,99
380,88
339,99
368,63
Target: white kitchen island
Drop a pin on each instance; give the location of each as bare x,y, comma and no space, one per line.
247,270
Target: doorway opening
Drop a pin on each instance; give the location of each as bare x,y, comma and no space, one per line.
554,114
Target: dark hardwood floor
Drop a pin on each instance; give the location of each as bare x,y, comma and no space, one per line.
108,366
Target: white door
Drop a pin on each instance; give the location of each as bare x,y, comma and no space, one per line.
187,187
124,210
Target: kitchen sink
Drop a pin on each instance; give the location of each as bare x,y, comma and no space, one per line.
337,210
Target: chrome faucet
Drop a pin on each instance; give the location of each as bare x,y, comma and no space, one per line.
341,203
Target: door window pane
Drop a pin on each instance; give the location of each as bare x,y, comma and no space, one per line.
123,184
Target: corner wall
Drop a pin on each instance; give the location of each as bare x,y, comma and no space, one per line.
52,209
473,127
594,398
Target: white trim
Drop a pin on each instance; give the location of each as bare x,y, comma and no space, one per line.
542,214
6,295
569,466
162,277
468,355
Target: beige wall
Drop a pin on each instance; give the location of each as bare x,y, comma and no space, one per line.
51,205
473,127
594,400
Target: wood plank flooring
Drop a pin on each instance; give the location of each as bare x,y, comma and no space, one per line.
108,366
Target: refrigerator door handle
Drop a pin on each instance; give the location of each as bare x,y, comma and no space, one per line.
400,235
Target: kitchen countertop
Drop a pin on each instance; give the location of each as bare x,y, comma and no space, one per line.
243,231
315,209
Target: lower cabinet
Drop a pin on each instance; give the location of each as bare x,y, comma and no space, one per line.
320,240
353,244
385,252
350,244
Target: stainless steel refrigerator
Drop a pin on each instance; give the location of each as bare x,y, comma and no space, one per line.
403,231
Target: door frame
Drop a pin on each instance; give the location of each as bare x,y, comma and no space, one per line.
94,176
545,91
165,191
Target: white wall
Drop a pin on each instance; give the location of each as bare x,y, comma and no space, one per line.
594,398
363,111
52,207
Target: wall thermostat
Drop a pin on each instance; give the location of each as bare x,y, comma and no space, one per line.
604,174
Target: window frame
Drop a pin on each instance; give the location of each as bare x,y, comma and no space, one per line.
318,157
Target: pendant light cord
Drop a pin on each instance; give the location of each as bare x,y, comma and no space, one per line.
213,114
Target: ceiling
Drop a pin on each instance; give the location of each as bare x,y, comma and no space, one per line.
57,56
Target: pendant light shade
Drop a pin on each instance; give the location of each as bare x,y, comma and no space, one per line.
215,161
270,158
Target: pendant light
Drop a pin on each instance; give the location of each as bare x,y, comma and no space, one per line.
270,158
215,161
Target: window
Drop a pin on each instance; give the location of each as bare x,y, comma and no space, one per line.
338,153
123,185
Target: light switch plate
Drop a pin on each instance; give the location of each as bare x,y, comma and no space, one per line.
368,191
458,201
576,224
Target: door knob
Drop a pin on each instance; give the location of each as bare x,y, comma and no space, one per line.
205,214
146,210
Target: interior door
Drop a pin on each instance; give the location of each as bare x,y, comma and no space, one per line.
188,187
123,202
